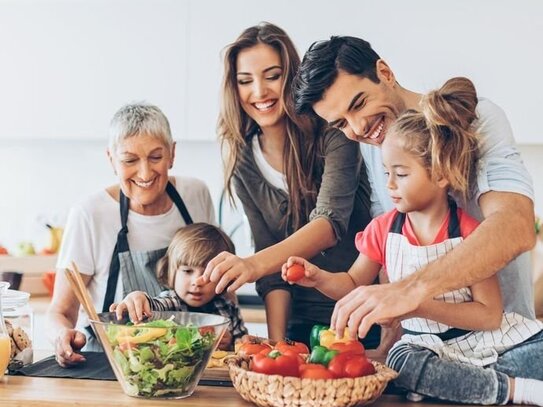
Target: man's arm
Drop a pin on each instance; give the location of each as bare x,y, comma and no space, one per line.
506,232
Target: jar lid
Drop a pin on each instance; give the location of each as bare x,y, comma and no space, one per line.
14,299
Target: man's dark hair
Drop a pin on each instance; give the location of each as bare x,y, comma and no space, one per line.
321,64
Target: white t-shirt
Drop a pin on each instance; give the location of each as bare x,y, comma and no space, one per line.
92,227
499,168
270,174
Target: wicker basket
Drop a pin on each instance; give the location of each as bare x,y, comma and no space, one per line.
278,391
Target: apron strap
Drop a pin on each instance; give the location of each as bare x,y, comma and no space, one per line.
454,223
122,240
120,247
397,224
178,201
453,228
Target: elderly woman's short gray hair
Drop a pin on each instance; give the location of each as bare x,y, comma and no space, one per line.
139,119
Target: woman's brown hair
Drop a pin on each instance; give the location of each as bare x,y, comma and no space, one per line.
301,158
193,245
442,134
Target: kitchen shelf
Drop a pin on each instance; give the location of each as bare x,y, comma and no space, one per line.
36,265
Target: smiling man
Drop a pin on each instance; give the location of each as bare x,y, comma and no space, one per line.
344,81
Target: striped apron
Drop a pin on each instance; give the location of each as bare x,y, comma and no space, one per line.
479,348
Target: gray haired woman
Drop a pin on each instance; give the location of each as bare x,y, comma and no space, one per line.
117,235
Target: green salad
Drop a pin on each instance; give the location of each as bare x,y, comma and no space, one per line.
160,358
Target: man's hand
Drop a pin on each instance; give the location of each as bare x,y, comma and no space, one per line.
228,269
374,304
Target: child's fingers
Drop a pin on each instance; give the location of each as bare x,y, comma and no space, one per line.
284,268
146,308
138,310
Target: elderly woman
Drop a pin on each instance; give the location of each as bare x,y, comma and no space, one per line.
117,235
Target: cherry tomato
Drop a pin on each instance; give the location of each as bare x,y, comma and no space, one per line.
205,330
351,346
295,272
287,344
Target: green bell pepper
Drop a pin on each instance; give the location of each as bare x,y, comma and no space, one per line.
314,338
322,355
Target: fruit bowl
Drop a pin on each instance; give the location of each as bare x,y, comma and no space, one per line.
164,356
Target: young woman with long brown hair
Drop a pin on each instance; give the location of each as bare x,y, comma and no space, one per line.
303,187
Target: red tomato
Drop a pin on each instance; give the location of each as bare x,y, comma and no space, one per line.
315,371
351,346
275,363
350,365
287,344
359,368
252,348
295,272
206,329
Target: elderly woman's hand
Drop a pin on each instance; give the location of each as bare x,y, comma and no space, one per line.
229,271
66,346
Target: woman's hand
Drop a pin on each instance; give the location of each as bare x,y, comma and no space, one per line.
136,304
66,346
311,276
229,271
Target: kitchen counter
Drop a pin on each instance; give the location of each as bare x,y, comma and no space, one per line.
18,391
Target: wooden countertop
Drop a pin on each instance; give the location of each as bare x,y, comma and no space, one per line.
18,391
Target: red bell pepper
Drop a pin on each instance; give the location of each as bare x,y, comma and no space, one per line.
275,362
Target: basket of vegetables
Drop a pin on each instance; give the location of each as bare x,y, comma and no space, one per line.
338,374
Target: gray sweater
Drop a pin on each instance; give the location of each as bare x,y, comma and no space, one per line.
343,199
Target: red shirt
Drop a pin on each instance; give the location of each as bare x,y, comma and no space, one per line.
372,241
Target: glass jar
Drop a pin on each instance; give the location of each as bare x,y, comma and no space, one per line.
19,320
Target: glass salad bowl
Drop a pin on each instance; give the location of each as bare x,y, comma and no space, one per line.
164,356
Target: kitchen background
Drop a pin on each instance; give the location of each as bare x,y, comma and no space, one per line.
68,65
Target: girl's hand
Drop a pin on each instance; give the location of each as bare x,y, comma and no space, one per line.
229,272
136,304
311,276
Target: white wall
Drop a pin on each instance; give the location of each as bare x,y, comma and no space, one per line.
67,65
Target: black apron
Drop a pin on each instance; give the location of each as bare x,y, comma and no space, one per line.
137,269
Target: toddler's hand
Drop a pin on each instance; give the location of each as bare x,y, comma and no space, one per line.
136,304
311,272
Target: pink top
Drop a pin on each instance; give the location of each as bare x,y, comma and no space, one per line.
372,241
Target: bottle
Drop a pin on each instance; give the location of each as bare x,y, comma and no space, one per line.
5,342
